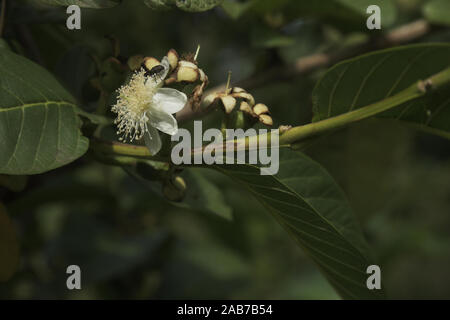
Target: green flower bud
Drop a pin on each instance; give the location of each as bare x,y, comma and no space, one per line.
174,189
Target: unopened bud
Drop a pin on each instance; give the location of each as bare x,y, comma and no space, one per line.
203,77
284,128
244,96
260,109
173,58
266,119
238,90
228,103
187,74
134,62
151,62
245,107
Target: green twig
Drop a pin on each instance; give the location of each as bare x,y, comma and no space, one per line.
414,91
300,133
117,148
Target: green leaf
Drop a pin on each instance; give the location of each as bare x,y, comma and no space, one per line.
96,4
306,201
205,195
197,5
186,5
9,247
373,77
437,11
39,127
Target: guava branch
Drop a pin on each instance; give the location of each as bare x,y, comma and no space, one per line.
414,91
299,133
305,65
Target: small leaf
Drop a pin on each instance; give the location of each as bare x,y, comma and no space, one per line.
373,77
9,247
306,201
39,126
437,11
95,4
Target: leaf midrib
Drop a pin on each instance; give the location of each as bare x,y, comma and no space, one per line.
36,104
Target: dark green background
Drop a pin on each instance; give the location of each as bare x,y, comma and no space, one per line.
131,243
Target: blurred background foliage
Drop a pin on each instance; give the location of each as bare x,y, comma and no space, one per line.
132,243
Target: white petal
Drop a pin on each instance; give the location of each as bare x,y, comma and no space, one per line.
165,63
162,121
169,100
152,140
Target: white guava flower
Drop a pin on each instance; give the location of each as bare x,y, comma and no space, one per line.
143,107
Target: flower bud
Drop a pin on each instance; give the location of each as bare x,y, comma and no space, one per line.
243,95
188,74
260,109
284,128
209,99
203,77
174,189
151,62
134,62
245,107
266,119
228,103
238,90
173,58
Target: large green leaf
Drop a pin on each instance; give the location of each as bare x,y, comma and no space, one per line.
39,125
376,76
9,247
96,4
306,201
437,11
204,195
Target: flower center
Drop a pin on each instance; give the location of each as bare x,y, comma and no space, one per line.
133,102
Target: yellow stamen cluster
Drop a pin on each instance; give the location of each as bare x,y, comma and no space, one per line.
133,102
